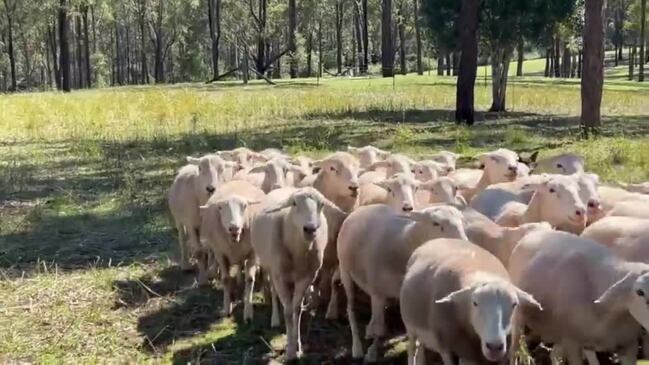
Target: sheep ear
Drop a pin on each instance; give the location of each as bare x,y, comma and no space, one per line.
281,205
533,157
352,149
329,204
204,207
527,299
193,160
483,157
382,153
456,296
617,290
384,184
258,169
254,202
461,201
259,157
418,217
224,154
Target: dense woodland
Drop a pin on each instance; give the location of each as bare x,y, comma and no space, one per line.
74,44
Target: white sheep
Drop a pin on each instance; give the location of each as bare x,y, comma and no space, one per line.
428,170
289,236
446,157
191,188
268,175
398,192
245,157
632,206
394,164
555,201
225,230
591,298
628,237
374,245
367,155
457,299
564,164
499,166
440,190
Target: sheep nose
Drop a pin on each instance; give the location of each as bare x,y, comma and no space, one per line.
580,212
495,346
450,169
407,208
275,187
234,229
309,229
513,168
210,189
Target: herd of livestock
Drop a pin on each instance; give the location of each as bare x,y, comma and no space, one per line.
477,258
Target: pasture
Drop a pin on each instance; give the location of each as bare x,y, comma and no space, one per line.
87,271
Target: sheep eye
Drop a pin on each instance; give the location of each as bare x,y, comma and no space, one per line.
640,292
389,190
475,304
436,224
294,204
413,171
514,305
332,168
559,166
552,190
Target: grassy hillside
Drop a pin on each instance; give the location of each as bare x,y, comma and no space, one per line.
86,250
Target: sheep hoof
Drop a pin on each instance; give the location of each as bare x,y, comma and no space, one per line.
186,267
372,354
332,313
357,351
274,323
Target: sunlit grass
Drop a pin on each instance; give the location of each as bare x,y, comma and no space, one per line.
84,232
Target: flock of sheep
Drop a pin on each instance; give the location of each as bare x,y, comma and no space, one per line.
475,257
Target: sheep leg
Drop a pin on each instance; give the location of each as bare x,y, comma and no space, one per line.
299,292
556,355
516,338
226,310
286,297
376,328
274,317
645,345
467,362
251,272
447,358
591,357
573,353
628,354
332,308
416,353
185,265
348,284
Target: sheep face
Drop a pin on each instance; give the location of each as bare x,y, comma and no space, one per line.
446,158
306,213
232,213
208,173
523,170
590,196
500,165
632,291
561,204
401,192
490,307
275,174
367,155
442,221
341,173
429,170
442,190
565,164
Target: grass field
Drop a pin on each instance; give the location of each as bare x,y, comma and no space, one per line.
86,271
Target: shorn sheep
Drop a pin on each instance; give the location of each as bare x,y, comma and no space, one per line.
225,230
591,298
191,188
374,245
289,236
457,299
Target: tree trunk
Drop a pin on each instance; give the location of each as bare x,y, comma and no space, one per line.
319,48
79,51
580,63
292,45
358,37
10,45
64,46
339,36
309,53
592,80
615,55
643,35
420,66
557,55
214,20
402,41
447,63
456,63
500,58
565,64
632,56
521,57
366,43
387,50
440,63
86,44
144,66
465,99
548,57
51,30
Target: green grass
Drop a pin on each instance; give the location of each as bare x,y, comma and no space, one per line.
85,244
